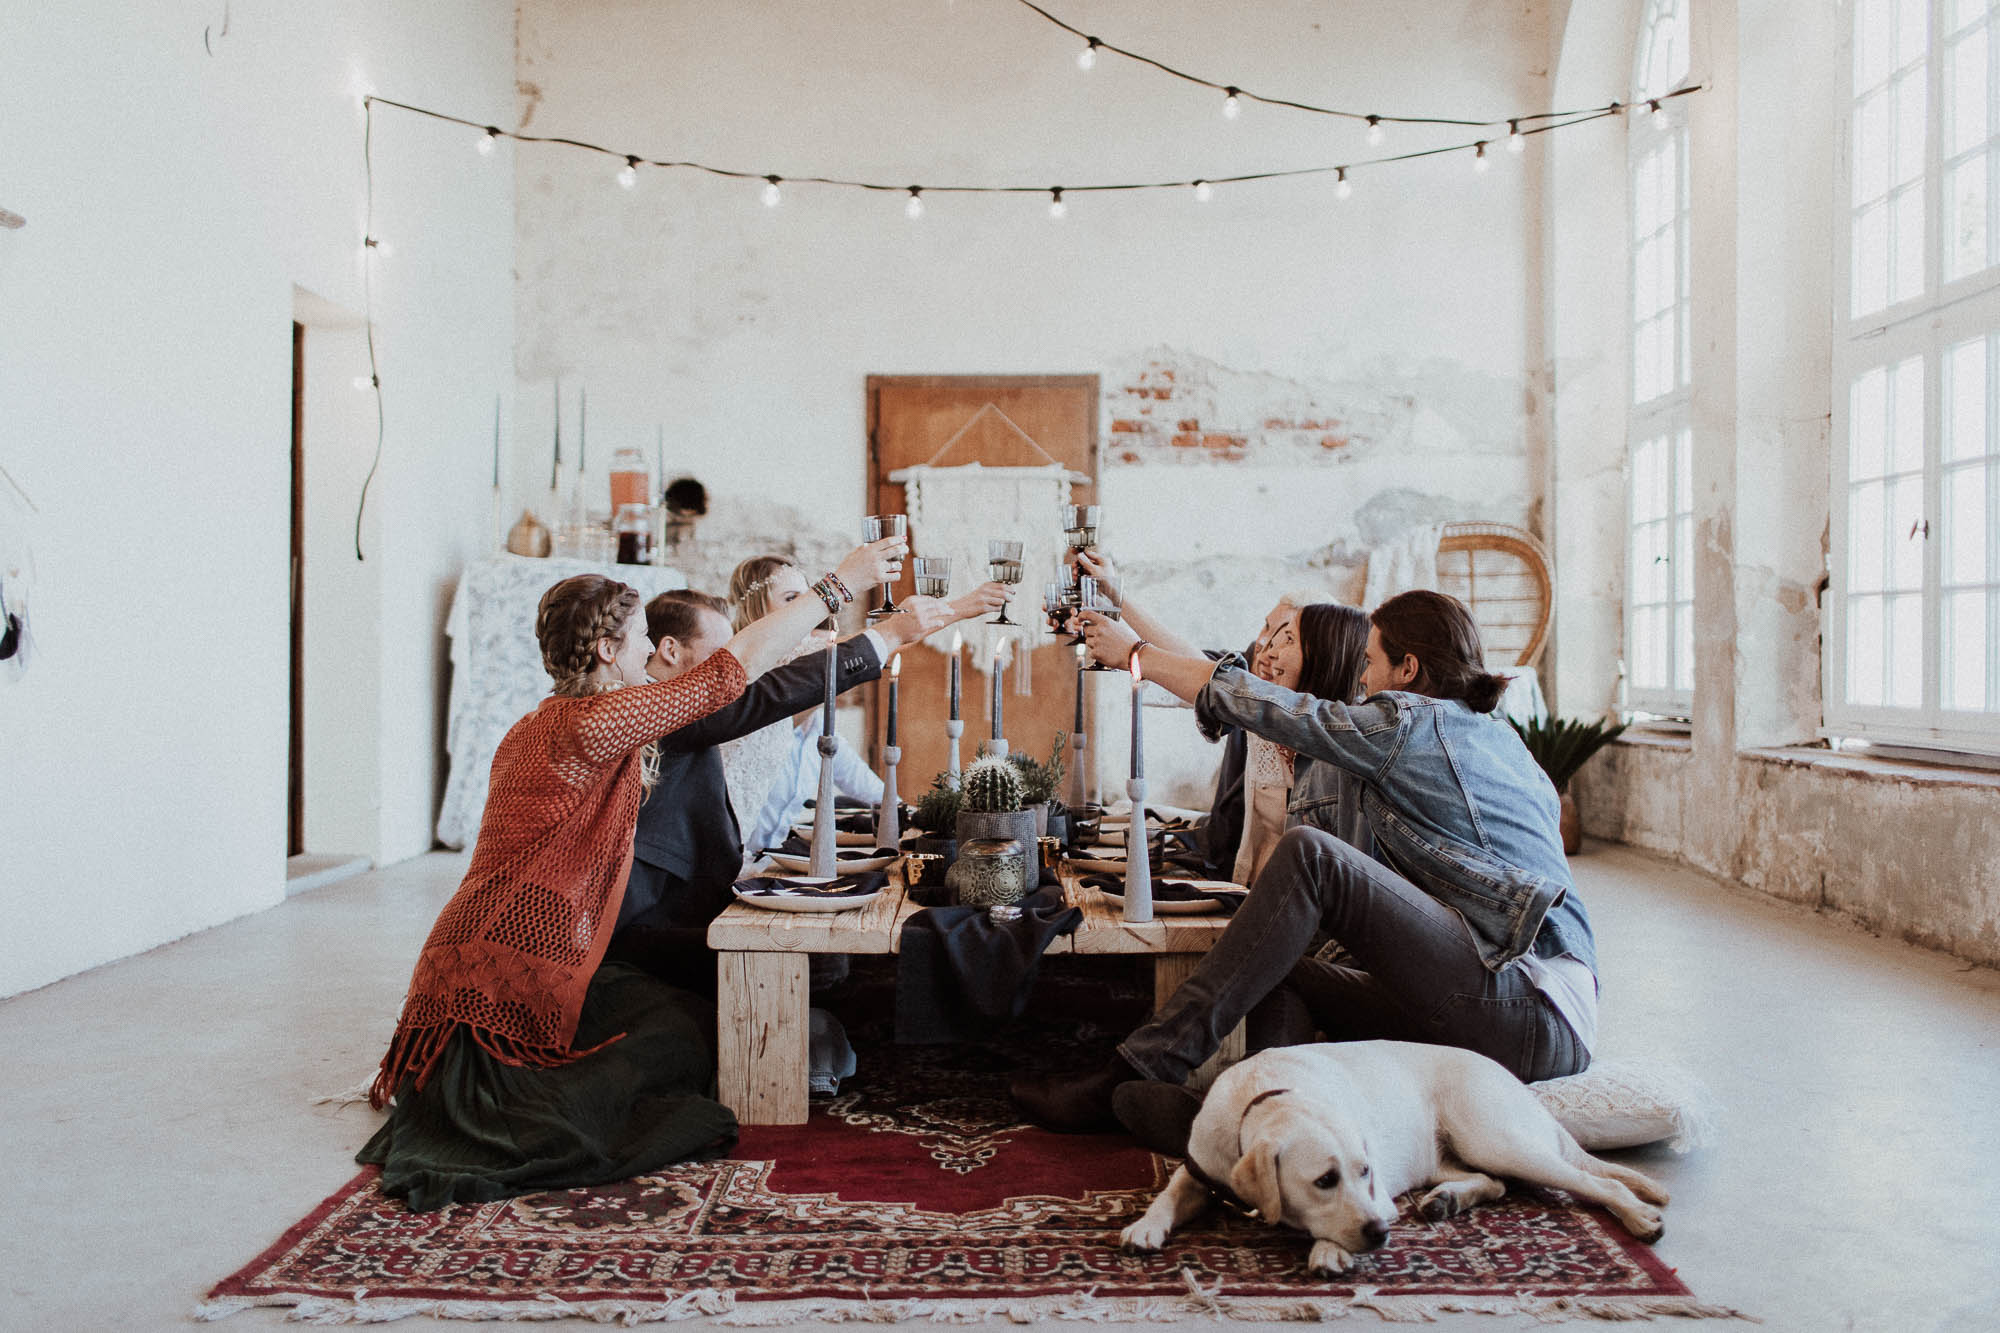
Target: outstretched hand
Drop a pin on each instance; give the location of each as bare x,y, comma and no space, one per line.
987,598
872,563
915,619
1109,641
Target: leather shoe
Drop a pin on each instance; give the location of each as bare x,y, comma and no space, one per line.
1159,1115
1072,1103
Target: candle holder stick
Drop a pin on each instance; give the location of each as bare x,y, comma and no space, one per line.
889,818
1079,785
995,748
822,861
954,729
1138,866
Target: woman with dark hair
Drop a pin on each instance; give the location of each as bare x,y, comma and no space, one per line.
1462,922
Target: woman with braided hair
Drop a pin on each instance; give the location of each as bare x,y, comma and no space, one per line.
521,1061
756,765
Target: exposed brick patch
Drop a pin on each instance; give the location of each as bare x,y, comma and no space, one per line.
1190,423
1279,423
1161,393
1128,456
1185,441
1333,441
1127,426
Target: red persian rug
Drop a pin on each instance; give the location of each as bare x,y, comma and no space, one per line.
918,1193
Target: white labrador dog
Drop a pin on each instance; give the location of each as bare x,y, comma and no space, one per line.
1326,1137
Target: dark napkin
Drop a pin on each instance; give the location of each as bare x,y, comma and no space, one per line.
960,973
797,846
1168,891
843,886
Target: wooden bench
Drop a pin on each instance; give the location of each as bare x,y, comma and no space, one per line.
761,1007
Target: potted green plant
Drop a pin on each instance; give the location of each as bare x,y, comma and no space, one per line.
1561,746
1039,784
992,809
936,818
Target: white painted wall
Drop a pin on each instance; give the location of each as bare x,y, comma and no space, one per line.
748,332
174,200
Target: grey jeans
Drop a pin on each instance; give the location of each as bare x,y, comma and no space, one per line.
1418,975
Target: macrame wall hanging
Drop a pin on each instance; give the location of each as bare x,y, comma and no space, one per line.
955,511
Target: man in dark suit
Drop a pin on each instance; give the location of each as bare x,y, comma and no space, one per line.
688,846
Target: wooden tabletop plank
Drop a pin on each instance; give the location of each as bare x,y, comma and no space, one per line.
871,929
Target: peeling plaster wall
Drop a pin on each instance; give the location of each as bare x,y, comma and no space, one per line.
1909,852
1351,367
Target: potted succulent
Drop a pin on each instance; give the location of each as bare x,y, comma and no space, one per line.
1039,784
992,810
1560,746
936,818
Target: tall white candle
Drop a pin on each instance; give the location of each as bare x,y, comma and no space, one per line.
1138,716
998,667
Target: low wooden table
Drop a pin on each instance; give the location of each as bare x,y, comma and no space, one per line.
761,1018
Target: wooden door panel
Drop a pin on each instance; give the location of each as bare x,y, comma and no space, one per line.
910,418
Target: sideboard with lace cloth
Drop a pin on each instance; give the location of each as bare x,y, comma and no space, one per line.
496,666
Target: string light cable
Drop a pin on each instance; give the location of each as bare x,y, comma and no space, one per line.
371,248
1203,186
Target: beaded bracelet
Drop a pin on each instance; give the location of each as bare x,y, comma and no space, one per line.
839,587
827,597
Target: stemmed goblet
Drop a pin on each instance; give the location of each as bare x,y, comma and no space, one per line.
1080,525
1003,558
873,529
933,575
1090,599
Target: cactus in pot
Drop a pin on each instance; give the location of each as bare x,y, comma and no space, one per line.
992,809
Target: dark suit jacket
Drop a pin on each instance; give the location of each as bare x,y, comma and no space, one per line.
688,845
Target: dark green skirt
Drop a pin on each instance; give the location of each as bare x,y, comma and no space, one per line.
482,1130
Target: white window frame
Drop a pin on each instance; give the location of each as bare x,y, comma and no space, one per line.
1942,316
1668,415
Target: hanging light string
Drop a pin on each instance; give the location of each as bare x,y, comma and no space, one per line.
1517,128
371,247
1235,94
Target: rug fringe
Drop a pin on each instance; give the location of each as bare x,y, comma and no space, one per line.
1200,1303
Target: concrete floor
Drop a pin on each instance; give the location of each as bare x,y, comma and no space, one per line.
158,1128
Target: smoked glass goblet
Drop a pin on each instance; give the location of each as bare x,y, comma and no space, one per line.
1003,559
873,529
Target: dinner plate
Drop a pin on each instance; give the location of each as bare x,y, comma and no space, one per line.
841,838
1105,865
1189,907
808,901
847,865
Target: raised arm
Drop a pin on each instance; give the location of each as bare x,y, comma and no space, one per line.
611,725
1101,567
764,643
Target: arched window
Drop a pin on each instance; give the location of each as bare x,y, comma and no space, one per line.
1913,643
1659,587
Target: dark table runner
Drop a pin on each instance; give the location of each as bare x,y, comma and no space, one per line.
960,972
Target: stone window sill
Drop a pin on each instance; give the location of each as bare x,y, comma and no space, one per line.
1874,768
1662,739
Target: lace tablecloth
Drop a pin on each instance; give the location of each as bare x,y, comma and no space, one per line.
496,666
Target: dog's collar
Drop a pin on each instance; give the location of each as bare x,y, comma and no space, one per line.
1210,1183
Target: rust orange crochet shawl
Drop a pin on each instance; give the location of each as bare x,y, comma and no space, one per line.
513,951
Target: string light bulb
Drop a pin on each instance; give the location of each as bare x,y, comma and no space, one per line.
628,175
378,245
1516,140
913,208
771,194
1087,57
1232,105
1480,161
1343,188
1656,111
489,141
1203,192
1057,208
1375,135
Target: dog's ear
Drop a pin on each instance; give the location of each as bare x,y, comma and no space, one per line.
1255,1180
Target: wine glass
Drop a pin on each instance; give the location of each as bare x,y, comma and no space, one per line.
1003,559
1053,606
1080,525
933,575
1090,598
873,529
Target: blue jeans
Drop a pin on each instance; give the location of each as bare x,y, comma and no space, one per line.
1418,973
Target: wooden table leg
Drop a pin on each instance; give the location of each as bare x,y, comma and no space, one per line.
1169,971
760,1032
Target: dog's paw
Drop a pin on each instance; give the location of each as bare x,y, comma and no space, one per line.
1441,1203
1644,1222
1329,1259
1145,1235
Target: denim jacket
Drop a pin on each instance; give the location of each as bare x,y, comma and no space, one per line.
1452,799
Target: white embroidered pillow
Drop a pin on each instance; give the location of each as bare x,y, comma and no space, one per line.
1624,1103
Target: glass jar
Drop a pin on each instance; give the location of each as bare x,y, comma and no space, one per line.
634,527
988,871
631,483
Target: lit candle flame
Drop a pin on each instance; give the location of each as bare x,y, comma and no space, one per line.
1138,671
957,643
896,665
